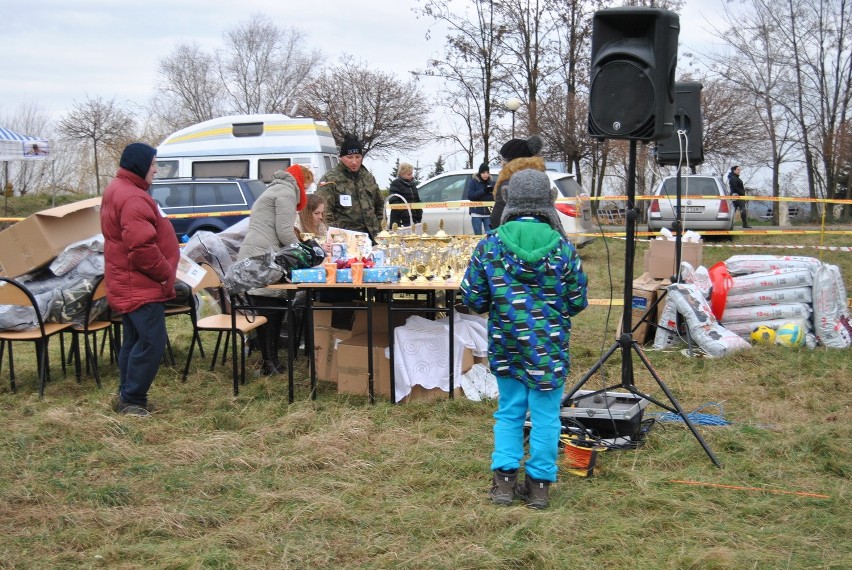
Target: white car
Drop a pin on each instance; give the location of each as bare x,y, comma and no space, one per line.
447,188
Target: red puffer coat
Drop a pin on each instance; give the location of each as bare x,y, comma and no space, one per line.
140,248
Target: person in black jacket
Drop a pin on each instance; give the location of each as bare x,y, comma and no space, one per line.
480,188
738,189
405,186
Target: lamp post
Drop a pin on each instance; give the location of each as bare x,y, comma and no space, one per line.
513,104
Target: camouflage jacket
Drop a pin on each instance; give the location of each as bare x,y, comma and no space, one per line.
353,200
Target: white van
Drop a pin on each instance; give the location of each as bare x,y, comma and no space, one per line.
247,146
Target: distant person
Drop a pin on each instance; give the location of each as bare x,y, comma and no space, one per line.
517,154
480,188
528,277
352,196
272,227
738,189
141,256
405,186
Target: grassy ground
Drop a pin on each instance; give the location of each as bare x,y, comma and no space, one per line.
214,481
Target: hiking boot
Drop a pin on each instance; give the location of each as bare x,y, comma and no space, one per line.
503,487
746,227
122,407
271,368
533,492
134,410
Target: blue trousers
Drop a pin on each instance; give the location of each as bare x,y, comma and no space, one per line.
142,349
480,225
544,407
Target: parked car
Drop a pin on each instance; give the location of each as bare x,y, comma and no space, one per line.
200,196
696,213
447,189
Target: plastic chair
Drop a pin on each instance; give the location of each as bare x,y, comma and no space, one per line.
16,294
225,323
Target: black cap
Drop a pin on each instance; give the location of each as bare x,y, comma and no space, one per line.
351,145
520,148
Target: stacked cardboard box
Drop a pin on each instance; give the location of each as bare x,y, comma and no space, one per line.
646,289
660,257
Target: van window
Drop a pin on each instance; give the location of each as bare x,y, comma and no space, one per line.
269,166
220,169
167,169
247,129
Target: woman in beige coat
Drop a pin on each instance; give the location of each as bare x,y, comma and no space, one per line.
271,224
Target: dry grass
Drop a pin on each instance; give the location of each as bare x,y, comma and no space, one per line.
214,481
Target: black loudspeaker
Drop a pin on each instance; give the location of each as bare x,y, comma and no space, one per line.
687,117
634,55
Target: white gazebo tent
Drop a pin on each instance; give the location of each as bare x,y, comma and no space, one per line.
15,146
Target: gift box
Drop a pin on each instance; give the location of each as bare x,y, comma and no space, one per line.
344,275
381,274
312,275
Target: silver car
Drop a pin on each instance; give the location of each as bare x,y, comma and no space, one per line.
445,192
696,213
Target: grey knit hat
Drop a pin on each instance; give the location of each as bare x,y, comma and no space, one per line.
529,193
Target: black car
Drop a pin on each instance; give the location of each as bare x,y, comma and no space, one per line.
211,204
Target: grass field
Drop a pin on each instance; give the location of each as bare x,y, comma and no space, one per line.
213,481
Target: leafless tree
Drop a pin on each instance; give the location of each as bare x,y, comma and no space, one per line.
262,66
529,25
761,72
98,122
472,57
387,114
189,90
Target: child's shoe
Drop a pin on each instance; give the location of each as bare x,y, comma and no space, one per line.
533,492
503,487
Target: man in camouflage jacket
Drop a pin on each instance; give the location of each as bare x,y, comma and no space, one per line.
352,196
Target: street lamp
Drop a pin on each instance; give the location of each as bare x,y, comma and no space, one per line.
513,104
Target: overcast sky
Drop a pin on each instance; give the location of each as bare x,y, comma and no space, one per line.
56,52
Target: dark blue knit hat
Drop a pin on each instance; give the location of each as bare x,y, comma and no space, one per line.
137,158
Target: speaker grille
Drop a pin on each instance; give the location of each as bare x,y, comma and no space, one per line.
621,101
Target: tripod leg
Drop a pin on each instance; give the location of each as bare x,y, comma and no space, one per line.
676,405
590,373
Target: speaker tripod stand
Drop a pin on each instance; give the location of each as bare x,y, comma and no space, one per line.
625,344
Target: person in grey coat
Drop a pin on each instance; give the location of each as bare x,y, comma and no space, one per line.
271,224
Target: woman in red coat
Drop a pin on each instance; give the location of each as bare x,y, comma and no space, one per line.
141,255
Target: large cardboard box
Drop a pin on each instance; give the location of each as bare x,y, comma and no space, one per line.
38,239
326,341
645,291
353,372
660,257
352,369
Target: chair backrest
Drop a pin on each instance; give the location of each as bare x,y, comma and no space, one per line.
14,293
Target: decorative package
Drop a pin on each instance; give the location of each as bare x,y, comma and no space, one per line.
382,274
312,275
344,275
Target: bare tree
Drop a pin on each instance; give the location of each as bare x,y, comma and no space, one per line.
385,113
472,57
189,90
758,69
99,122
262,66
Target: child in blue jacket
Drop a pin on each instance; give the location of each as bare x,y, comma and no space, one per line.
528,277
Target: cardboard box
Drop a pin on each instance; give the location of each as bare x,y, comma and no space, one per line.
352,369
335,318
644,294
190,272
660,257
35,241
326,342
420,394
353,372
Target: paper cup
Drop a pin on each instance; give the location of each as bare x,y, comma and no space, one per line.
357,272
330,272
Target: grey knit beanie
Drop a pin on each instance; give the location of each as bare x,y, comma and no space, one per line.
529,193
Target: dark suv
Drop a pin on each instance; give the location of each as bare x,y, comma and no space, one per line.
229,200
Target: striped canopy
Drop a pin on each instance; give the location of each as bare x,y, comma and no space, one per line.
15,146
